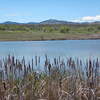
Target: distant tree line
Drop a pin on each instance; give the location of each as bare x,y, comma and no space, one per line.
71,28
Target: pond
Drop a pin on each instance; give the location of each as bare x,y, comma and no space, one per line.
63,48
31,50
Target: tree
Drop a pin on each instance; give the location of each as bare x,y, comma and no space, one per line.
64,29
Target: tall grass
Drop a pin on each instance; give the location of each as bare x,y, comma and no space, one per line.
70,79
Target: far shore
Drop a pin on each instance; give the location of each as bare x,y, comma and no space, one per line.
44,32
32,37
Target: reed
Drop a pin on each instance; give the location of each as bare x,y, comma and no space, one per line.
69,79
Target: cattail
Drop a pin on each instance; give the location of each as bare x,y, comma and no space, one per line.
9,59
80,62
59,59
36,60
0,64
25,70
29,66
13,62
55,61
49,68
90,67
23,61
32,64
97,63
4,85
39,59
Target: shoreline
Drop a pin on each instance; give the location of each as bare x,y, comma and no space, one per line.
6,40
21,36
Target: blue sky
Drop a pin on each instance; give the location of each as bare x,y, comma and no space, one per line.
39,10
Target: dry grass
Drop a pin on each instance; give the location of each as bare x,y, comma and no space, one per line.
71,80
30,36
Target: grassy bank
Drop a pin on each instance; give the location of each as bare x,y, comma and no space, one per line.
49,32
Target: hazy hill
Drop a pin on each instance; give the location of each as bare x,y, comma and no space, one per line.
10,22
51,21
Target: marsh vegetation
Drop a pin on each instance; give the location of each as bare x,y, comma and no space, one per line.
69,79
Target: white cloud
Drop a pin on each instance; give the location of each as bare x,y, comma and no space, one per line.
87,19
11,15
91,18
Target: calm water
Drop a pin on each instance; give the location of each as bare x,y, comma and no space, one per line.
63,48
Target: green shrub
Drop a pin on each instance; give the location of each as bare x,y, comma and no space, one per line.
64,29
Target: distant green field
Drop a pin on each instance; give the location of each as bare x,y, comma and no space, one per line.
49,32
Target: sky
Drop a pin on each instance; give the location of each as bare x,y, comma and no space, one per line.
40,10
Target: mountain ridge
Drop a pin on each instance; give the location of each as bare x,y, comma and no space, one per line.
51,21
